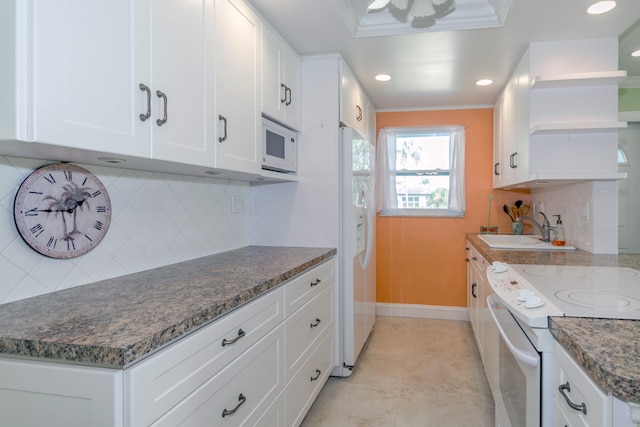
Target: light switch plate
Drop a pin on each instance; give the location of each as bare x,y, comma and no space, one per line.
238,204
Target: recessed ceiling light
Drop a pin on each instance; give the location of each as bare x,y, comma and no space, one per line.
636,53
601,7
484,82
383,77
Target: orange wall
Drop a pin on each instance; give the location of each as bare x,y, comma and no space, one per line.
422,260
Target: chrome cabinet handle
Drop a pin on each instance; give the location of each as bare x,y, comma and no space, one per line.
318,372
474,258
284,93
358,113
224,121
316,323
473,290
513,160
163,120
315,282
495,169
145,88
241,334
287,90
566,386
226,411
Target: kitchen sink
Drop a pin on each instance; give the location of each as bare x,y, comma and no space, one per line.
519,241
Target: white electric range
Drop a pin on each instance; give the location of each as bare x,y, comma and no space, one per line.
530,294
534,292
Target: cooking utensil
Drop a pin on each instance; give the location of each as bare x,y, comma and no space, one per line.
514,212
506,210
524,210
518,203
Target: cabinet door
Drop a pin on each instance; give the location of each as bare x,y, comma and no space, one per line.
237,86
88,60
497,139
348,98
179,89
273,89
293,111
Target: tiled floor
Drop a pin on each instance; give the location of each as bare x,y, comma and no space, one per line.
411,373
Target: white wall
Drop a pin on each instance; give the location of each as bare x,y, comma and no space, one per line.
157,219
629,196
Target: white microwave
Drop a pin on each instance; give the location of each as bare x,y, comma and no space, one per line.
279,148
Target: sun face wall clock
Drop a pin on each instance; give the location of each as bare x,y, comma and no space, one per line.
62,210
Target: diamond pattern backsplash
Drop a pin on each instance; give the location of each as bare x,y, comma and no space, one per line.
157,219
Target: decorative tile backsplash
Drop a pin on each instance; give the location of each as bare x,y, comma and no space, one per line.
157,219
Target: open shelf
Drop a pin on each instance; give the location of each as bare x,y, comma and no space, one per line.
560,128
551,81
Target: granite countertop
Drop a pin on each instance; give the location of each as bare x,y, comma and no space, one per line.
607,349
116,322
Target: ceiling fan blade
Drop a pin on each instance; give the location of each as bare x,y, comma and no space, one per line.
378,4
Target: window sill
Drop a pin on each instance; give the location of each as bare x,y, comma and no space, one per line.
429,213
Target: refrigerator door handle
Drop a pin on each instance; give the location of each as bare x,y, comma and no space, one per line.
366,257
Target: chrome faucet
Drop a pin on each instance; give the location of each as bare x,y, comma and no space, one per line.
545,228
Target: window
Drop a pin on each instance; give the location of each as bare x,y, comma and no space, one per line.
421,171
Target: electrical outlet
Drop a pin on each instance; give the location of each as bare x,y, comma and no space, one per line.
238,204
584,211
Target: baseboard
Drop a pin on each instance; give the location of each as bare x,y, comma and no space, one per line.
422,311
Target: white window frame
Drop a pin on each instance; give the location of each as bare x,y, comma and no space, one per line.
386,197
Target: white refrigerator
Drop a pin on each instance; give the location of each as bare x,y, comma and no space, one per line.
331,205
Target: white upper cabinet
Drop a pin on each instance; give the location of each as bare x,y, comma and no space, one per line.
78,67
353,102
237,86
181,122
556,120
280,80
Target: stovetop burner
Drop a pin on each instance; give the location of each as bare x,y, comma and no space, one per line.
582,291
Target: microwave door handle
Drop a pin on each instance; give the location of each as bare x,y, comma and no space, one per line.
521,355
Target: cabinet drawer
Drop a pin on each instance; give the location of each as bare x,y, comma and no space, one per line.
302,289
302,390
238,395
158,383
305,327
583,390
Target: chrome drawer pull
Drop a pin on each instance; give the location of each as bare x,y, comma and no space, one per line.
318,372
315,282
224,121
226,411
241,333
146,89
473,290
284,93
566,386
316,323
163,120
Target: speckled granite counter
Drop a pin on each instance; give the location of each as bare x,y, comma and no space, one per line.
547,257
116,322
609,350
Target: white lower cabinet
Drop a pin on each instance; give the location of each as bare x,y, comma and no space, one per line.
580,402
262,364
239,394
55,395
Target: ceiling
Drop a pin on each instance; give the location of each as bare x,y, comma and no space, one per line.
437,68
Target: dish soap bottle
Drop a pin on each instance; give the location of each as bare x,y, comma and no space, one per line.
558,238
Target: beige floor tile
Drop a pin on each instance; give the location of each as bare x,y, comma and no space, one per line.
411,373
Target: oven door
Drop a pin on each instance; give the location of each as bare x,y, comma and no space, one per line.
517,395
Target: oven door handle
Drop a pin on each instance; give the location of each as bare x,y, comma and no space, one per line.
521,355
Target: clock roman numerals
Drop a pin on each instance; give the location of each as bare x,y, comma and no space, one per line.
68,175
101,208
98,225
52,242
37,230
96,194
49,178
